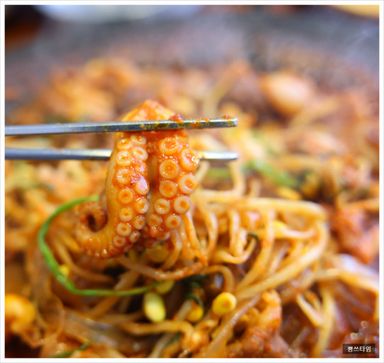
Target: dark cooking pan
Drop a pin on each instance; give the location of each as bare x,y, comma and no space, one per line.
337,49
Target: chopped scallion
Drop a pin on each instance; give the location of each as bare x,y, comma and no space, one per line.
54,266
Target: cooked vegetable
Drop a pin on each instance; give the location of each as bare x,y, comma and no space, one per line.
278,177
224,303
154,308
196,313
69,353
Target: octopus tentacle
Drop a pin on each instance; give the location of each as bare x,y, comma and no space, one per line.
149,182
173,183
126,193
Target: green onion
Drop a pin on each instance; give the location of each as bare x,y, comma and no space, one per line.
195,298
276,176
54,266
68,353
198,279
195,282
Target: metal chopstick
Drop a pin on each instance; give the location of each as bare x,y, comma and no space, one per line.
114,126
94,154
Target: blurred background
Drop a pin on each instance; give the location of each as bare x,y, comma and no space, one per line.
336,45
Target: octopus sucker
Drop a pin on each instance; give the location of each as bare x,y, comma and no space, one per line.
126,214
173,221
149,181
162,206
169,169
125,196
168,189
182,204
139,222
187,183
170,146
141,205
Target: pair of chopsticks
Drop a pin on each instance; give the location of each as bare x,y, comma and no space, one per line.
115,126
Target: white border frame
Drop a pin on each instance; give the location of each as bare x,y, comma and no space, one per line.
183,2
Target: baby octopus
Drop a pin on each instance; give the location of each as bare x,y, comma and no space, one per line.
149,182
